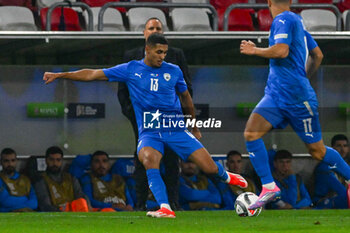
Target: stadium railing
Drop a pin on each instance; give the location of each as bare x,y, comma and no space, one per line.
293,6
130,156
157,5
69,4
347,22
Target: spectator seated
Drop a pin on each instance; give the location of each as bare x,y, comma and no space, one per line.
228,192
294,194
106,192
58,190
16,191
197,191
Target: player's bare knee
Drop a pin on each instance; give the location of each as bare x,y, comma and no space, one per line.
149,160
250,136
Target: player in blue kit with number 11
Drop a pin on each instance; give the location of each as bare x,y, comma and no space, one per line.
289,97
153,86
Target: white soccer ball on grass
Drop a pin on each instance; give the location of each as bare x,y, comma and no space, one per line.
243,201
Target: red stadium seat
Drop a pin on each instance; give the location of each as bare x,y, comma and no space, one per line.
344,5
264,19
70,17
223,4
25,3
238,20
100,3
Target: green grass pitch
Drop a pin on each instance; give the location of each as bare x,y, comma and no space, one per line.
327,221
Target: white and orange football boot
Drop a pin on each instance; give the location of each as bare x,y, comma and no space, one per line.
161,213
236,179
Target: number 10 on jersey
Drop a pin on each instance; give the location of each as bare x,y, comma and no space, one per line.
154,84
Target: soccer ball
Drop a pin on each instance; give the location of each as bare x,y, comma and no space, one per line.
243,201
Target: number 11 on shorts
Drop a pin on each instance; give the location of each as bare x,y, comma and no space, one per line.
307,126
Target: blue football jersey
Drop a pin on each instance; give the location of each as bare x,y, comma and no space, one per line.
287,82
152,91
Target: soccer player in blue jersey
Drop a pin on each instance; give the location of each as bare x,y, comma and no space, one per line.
156,89
289,97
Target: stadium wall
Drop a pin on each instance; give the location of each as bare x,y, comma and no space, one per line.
222,78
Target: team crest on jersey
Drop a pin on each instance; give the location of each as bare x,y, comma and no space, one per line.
167,76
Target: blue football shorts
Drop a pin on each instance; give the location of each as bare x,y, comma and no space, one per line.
183,143
303,117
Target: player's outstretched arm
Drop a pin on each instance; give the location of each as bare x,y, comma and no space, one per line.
80,75
276,51
187,104
314,61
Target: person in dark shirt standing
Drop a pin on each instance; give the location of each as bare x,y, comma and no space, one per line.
170,160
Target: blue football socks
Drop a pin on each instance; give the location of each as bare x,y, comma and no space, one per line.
157,186
260,160
222,174
336,162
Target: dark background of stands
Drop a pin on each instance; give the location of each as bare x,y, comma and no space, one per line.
107,52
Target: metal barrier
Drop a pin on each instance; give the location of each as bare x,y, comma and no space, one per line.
69,4
130,156
293,6
347,22
157,5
